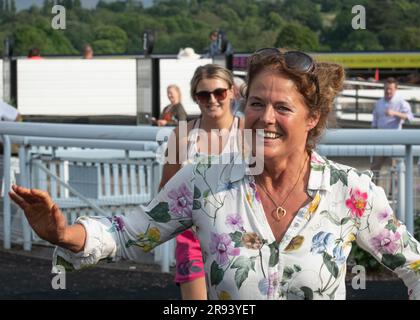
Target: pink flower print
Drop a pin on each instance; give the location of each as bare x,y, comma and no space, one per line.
316,159
357,203
235,222
221,245
181,201
386,242
384,215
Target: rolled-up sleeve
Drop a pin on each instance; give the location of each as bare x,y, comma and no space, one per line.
144,228
388,240
406,108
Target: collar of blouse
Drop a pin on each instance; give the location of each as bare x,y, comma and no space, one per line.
319,177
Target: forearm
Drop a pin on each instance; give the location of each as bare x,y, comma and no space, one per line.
74,239
393,113
401,115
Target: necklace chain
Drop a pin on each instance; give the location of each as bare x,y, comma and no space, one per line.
280,212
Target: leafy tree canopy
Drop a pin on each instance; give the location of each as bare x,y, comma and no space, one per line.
117,27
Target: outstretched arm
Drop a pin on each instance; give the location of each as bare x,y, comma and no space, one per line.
47,220
92,239
387,239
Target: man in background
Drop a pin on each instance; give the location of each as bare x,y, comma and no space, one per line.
390,112
218,45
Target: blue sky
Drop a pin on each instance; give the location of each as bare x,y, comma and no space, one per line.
24,4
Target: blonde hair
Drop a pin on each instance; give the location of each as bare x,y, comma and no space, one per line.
210,71
174,86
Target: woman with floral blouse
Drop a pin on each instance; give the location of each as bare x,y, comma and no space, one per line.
284,232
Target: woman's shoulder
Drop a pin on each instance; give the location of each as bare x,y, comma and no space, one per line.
349,176
179,105
165,108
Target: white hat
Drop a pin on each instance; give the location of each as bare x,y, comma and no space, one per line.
188,53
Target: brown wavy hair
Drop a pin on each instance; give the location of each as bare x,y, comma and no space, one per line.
330,77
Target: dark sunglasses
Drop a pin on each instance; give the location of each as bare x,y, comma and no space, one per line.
205,96
296,61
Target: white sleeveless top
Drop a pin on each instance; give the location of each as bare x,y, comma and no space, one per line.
231,145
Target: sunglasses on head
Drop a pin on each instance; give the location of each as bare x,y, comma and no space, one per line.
296,61
205,96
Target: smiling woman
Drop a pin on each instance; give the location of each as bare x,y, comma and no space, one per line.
283,234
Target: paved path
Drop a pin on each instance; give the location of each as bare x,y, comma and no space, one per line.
25,276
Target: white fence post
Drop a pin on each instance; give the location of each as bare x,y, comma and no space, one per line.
401,189
23,168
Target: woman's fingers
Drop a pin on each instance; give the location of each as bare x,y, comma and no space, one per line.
44,196
33,195
25,193
18,200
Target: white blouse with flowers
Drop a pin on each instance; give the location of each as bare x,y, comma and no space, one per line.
242,258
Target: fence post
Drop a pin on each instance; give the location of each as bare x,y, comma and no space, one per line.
7,217
26,229
357,103
409,215
162,254
401,189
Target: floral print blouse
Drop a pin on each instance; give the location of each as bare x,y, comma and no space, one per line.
242,258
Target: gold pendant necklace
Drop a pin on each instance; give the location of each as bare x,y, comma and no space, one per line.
280,212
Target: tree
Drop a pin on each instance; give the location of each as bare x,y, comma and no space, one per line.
12,6
110,40
361,40
27,37
304,11
77,4
296,36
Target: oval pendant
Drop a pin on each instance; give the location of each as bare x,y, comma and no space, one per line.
280,213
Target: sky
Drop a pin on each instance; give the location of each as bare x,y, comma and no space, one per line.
24,4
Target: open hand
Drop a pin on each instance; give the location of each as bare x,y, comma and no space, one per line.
42,213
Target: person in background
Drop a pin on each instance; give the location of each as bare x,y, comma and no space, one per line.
212,89
390,112
238,105
87,52
218,44
173,112
213,48
34,54
8,112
